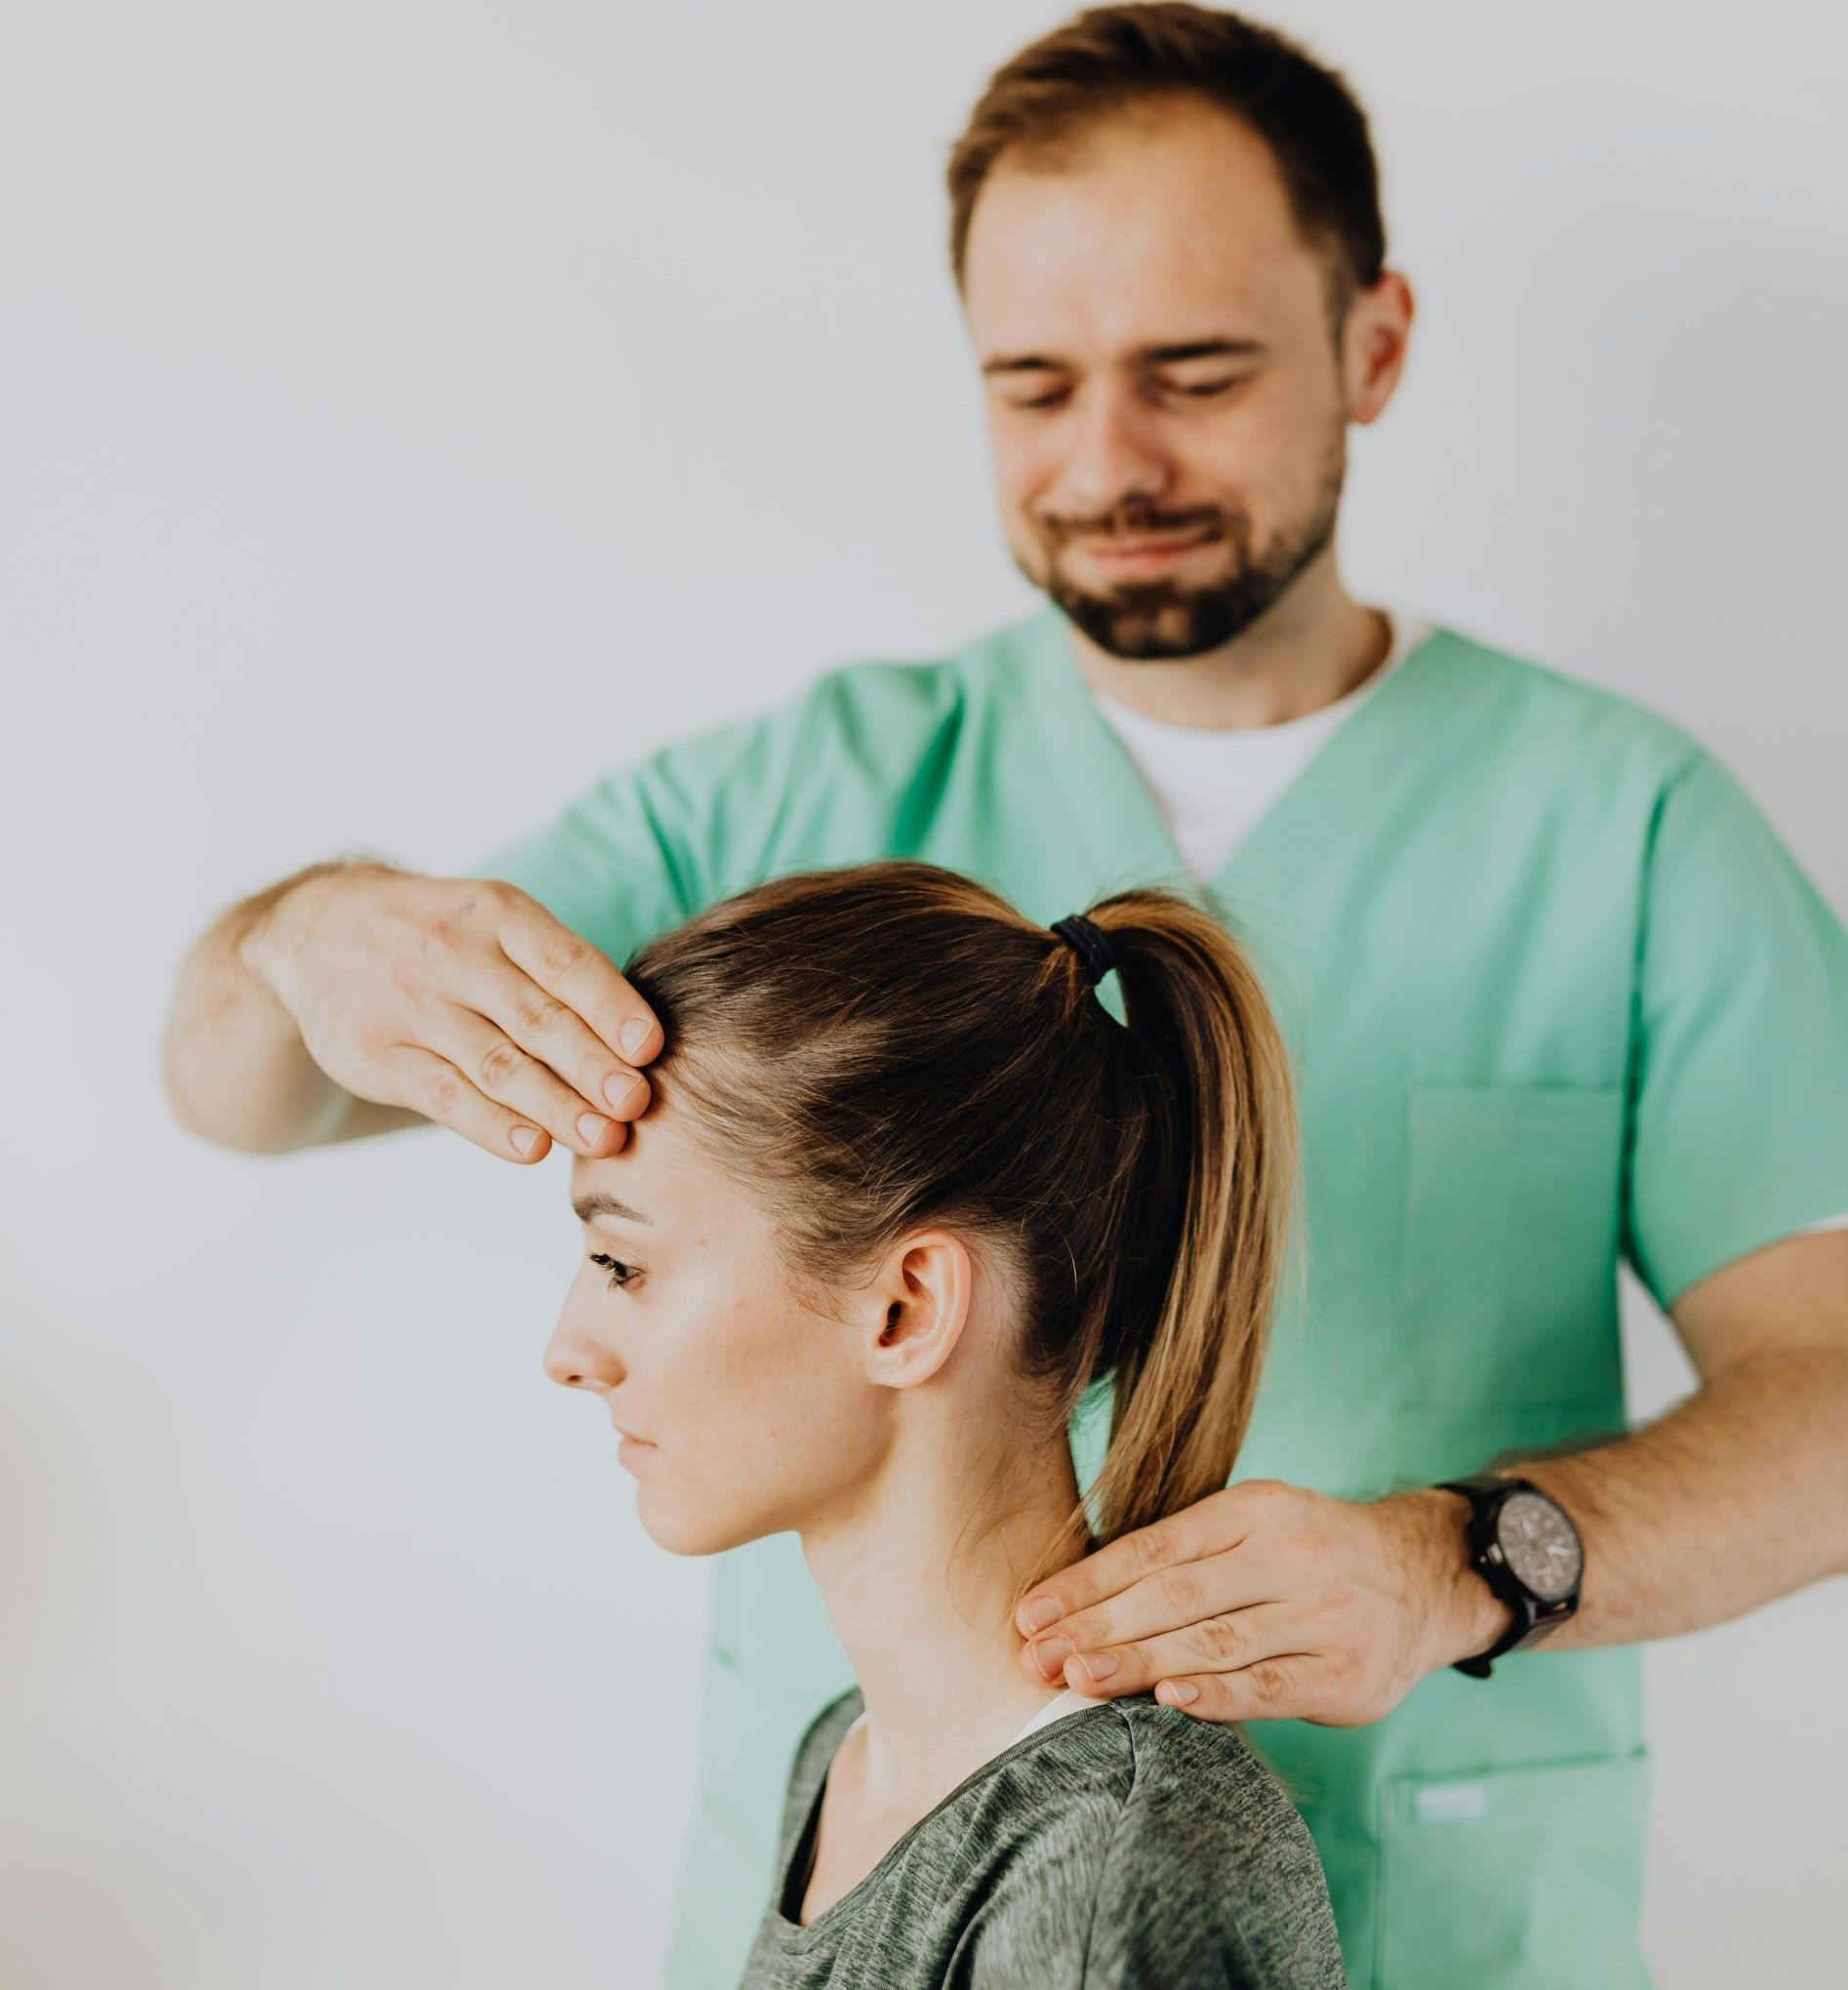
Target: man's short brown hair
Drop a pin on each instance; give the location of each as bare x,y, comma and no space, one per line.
1112,61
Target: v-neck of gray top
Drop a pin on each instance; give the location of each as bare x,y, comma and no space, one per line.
1125,1844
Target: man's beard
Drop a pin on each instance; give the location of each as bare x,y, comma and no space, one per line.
1161,619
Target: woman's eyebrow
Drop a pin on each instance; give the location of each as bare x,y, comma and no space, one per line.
587,1208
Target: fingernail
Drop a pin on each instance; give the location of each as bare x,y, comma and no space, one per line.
1176,1692
1098,1665
526,1138
622,1089
1041,1612
590,1128
634,1034
1051,1656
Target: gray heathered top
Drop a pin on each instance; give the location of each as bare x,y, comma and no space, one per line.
1125,1845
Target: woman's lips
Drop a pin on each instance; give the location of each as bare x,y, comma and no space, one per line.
631,1450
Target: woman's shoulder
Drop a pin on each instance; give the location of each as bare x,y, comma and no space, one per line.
1162,1764
1181,1846
1166,1740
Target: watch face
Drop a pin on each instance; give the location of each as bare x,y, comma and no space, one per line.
1539,1545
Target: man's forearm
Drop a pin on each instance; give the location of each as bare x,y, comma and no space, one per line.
234,1065
1734,1497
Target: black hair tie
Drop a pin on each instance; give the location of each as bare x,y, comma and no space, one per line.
1090,942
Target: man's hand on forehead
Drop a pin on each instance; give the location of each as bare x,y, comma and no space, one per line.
462,999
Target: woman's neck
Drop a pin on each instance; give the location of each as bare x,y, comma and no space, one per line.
919,1582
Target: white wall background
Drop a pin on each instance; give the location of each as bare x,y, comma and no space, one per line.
406,412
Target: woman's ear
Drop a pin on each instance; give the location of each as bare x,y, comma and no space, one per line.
916,1307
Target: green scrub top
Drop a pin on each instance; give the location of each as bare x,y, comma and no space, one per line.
1556,995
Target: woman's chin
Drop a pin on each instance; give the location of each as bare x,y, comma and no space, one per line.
686,1533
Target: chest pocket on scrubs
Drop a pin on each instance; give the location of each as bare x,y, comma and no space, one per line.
1511,1243
1524,1878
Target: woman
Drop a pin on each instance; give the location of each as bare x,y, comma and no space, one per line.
905,1189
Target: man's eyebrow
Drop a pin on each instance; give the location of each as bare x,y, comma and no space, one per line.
585,1207
1144,355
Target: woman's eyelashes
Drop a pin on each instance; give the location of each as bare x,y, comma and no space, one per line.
621,1275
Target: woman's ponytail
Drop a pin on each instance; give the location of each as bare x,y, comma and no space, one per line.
1207,1211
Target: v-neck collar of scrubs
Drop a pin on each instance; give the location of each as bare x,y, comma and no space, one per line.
1111,805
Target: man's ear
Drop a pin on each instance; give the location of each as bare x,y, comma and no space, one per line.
913,1312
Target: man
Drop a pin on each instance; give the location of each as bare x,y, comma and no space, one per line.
1555,991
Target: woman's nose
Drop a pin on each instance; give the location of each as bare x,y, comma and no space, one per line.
576,1359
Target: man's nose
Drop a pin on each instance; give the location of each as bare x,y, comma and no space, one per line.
576,1358
1114,456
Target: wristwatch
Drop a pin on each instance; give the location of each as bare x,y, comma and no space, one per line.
1523,1545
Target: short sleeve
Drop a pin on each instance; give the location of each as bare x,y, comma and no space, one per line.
654,842
1738,1121
1170,1928
1218,1901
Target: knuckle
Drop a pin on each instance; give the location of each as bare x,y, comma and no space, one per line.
1269,1684
442,1093
560,951
535,1011
1132,1554
1182,1590
1145,1551
500,1064
1222,1638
